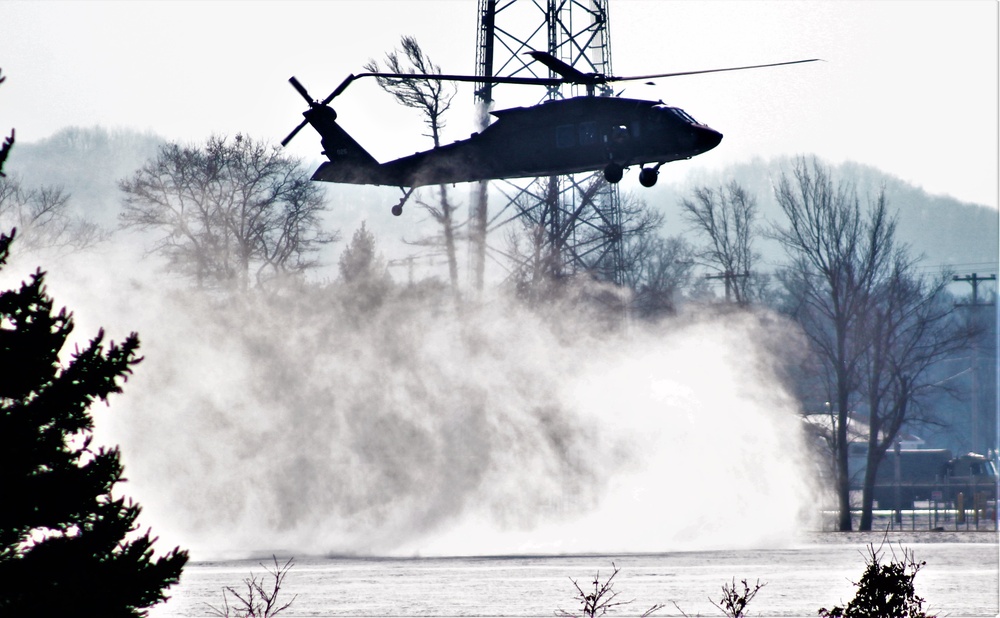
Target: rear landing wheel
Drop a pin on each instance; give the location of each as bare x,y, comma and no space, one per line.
398,208
613,173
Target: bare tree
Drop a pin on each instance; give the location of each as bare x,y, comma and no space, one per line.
432,98
726,217
661,270
877,326
909,327
42,217
839,254
230,213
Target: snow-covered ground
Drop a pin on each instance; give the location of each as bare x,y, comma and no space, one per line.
816,570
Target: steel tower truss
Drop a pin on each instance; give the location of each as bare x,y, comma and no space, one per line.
574,222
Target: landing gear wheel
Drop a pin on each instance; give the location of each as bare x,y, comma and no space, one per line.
613,173
398,208
648,176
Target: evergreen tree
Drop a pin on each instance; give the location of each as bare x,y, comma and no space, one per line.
360,261
67,546
364,279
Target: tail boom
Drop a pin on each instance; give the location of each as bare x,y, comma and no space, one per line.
348,161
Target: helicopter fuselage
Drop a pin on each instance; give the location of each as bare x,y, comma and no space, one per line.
563,136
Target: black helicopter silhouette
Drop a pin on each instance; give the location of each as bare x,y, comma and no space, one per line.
561,136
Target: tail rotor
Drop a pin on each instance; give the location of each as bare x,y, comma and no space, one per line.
300,89
313,104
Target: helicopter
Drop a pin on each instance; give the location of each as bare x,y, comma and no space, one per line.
560,136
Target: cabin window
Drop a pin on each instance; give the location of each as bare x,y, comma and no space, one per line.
588,133
565,136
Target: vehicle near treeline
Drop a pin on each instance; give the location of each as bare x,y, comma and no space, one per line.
933,476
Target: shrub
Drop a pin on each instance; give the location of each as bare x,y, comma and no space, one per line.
734,602
885,590
256,601
598,602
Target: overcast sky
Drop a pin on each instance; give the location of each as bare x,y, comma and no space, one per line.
909,87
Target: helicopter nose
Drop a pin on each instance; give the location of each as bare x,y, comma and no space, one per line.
708,138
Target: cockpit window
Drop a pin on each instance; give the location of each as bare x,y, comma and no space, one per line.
683,115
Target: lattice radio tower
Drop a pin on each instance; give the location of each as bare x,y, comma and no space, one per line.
575,221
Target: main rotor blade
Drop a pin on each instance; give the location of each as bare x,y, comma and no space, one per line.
569,74
753,66
533,81
559,67
536,81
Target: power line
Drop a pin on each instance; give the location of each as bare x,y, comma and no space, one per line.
966,266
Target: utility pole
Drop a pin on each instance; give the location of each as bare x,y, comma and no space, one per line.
974,421
975,280
729,277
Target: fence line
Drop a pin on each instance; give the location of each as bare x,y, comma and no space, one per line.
979,513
